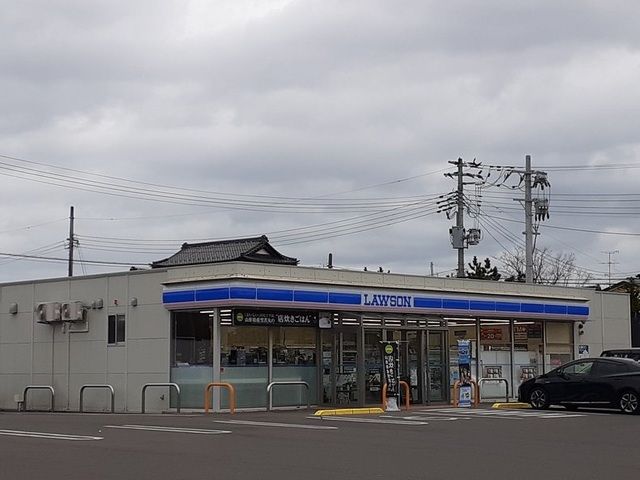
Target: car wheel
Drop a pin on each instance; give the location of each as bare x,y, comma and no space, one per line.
539,398
629,402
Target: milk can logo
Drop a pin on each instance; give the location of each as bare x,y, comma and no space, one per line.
239,317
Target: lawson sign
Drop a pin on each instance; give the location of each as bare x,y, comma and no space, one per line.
335,299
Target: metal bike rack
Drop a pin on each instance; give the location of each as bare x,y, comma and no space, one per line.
92,385
456,393
273,384
497,380
170,385
407,395
232,396
38,387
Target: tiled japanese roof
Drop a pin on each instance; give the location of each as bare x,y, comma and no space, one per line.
256,249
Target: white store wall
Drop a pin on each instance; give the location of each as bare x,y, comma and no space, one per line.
55,354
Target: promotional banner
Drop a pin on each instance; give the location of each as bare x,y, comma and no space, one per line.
390,366
464,367
273,318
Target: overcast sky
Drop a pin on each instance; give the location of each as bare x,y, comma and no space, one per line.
326,125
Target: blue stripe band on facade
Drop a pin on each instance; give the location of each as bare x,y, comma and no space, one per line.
311,297
345,298
419,302
555,309
212,294
178,297
577,310
454,304
532,308
242,293
484,306
507,307
273,294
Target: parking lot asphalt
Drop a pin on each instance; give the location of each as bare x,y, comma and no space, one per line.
423,443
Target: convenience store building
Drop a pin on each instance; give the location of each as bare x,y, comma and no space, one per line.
242,313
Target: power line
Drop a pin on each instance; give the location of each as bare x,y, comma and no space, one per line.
66,260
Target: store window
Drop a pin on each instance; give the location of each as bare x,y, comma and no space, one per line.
495,355
559,344
294,359
243,363
528,350
192,355
461,329
116,329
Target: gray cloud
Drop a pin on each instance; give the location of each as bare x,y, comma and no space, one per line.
307,98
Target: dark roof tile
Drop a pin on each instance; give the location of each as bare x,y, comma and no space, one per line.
254,249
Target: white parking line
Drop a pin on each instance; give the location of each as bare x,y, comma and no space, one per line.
422,418
47,435
503,414
275,424
160,428
370,420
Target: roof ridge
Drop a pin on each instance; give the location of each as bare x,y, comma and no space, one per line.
262,238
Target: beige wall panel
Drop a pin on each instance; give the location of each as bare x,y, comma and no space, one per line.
88,357
97,400
11,385
15,358
154,395
146,288
16,328
57,291
87,290
148,356
20,294
118,291
149,321
117,359
44,332
119,384
40,399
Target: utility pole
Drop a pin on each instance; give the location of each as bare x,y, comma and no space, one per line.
609,262
528,221
460,239
460,220
71,242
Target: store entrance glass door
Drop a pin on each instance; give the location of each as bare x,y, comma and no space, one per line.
410,364
340,367
436,366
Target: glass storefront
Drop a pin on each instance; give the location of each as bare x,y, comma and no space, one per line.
495,356
294,359
192,355
528,351
559,344
461,329
243,363
343,364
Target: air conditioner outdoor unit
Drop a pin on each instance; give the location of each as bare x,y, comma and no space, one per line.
48,312
73,312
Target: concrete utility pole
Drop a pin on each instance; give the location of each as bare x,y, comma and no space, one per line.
460,219
71,242
609,263
528,221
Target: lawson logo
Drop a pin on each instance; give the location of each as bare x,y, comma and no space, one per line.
377,300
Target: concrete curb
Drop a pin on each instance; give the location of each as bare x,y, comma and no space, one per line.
349,411
510,406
